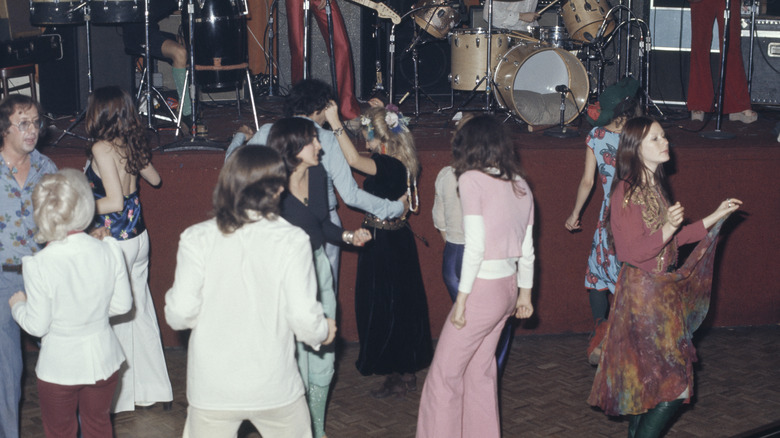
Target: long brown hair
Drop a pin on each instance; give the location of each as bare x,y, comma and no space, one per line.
629,166
483,142
111,116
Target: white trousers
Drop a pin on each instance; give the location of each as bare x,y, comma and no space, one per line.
144,376
291,421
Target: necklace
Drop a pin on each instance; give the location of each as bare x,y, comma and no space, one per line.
13,167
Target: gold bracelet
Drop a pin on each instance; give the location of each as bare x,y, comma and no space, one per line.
338,131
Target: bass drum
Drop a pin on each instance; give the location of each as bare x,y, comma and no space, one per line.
116,11
437,21
468,48
526,78
220,52
583,18
53,12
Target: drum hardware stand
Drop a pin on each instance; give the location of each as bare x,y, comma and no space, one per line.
415,59
562,131
195,142
80,117
147,81
391,48
717,134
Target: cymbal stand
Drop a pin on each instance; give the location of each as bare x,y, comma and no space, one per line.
415,59
69,129
146,83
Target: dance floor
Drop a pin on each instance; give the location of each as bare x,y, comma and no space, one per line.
543,394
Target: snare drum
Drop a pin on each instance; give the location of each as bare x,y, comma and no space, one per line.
52,12
526,78
437,21
583,18
468,49
116,11
556,36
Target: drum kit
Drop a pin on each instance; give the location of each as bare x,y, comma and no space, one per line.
536,76
216,34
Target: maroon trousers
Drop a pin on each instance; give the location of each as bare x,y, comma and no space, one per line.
345,70
59,404
700,87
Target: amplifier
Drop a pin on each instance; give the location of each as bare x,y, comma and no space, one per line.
765,87
32,50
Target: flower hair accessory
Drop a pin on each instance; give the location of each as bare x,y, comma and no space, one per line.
365,121
395,120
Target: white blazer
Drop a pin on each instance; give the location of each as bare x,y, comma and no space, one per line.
73,286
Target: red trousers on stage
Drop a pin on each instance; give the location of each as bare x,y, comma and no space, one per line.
59,404
345,70
700,87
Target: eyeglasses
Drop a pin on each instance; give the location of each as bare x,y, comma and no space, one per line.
25,125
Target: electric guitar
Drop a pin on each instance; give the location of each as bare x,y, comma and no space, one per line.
381,9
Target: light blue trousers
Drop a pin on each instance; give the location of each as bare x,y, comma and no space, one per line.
10,358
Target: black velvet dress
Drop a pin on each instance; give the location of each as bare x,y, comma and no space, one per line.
390,305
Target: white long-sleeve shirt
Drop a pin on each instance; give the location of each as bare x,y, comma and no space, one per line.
73,286
246,296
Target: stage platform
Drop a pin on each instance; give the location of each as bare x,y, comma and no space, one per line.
702,173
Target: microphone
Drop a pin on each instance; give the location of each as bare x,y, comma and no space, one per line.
562,89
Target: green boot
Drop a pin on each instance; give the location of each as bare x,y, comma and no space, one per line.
652,423
318,400
179,76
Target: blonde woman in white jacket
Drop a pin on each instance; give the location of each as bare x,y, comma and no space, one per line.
73,286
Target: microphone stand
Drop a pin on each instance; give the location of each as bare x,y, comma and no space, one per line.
305,39
562,131
270,54
330,44
717,134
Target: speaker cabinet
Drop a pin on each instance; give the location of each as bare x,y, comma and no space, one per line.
765,88
64,86
15,20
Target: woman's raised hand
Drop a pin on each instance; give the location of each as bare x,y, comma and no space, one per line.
725,208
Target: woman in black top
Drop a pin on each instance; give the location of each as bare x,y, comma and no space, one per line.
305,205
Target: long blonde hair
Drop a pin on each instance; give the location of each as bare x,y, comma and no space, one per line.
398,145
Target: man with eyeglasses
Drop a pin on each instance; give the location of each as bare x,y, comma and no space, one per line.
22,168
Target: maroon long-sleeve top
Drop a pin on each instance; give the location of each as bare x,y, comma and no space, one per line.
636,229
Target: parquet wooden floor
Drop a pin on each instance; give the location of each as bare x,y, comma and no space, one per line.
543,393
